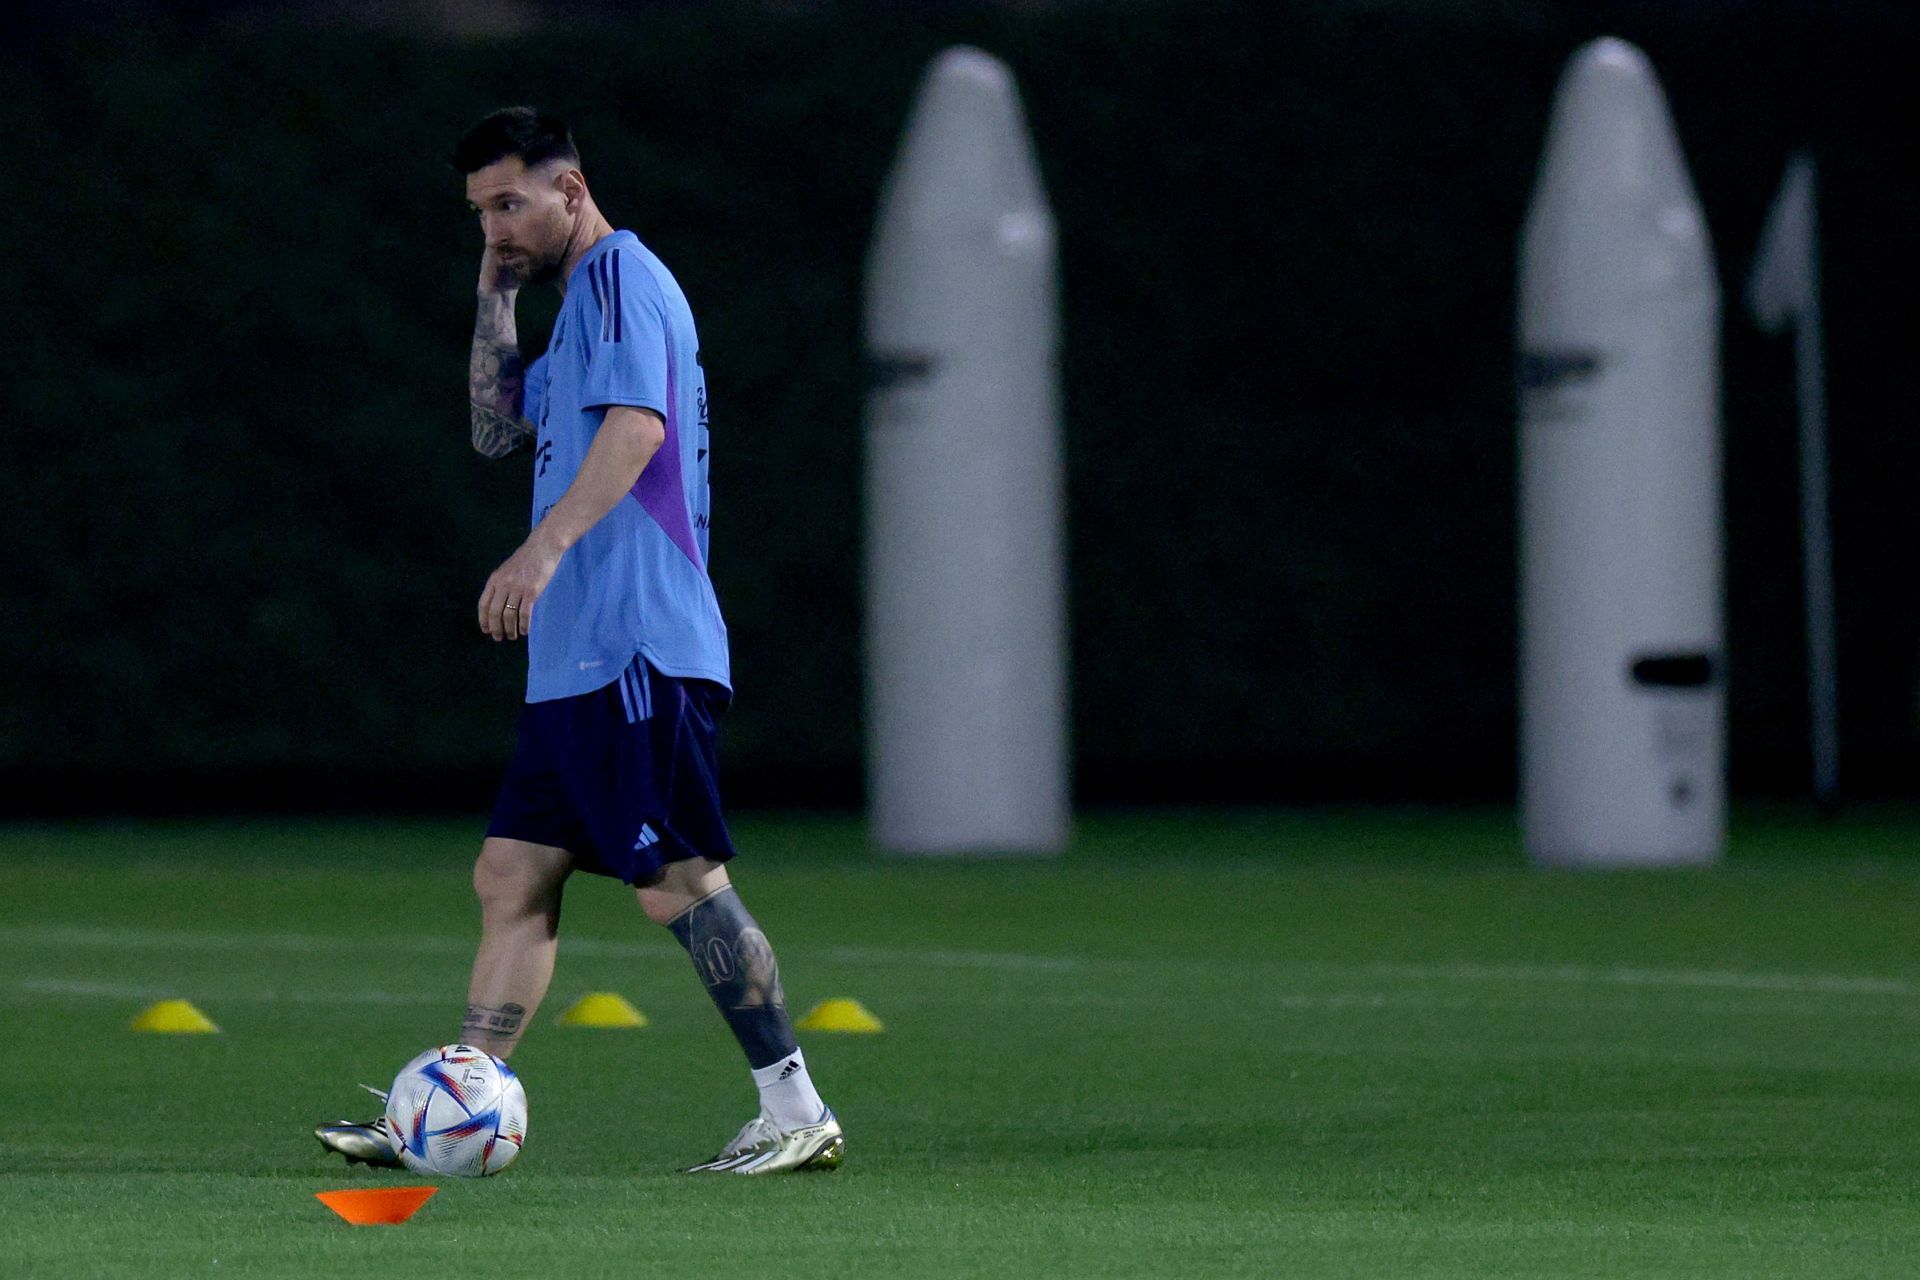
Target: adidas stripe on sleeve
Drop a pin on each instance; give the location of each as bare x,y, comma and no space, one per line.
627,359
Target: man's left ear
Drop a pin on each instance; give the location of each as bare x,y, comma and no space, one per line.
574,188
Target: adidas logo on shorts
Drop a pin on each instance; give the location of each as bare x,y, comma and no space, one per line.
646,837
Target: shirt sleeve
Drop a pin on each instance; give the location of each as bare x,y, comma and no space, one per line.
628,355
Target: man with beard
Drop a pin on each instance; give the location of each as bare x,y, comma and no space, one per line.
615,769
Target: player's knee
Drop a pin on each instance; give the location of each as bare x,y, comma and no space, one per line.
679,885
661,902
514,879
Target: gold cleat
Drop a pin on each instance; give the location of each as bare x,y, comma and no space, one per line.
368,1143
371,1143
759,1147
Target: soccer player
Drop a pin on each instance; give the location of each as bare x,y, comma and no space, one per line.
614,772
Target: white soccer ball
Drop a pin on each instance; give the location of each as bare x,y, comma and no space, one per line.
457,1111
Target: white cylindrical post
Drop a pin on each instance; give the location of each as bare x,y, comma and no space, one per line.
965,577
1622,704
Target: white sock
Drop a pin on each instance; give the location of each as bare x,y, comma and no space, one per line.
787,1095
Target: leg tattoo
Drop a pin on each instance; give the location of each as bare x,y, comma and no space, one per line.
736,962
485,1026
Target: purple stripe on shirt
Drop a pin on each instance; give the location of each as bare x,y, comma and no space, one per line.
659,488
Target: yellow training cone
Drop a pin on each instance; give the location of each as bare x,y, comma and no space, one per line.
602,1009
840,1014
174,1017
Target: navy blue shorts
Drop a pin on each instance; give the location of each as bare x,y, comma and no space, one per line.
625,778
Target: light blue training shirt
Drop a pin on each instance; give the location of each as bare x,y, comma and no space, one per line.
637,582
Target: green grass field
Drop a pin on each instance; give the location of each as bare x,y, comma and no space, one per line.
1199,1045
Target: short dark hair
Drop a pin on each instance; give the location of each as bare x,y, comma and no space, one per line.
530,134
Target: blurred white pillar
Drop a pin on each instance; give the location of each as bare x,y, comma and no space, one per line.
1622,672
966,628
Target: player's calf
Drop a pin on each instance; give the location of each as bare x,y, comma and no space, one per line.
519,885
737,965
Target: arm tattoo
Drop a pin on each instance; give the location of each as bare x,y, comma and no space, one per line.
499,435
496,381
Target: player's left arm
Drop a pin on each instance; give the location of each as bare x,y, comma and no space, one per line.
620,451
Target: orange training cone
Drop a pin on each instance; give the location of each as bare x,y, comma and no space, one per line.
380,1206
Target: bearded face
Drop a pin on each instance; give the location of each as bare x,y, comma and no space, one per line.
526,215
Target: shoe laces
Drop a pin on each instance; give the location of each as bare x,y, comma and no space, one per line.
753,1133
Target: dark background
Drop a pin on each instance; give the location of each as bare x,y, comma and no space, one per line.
245,532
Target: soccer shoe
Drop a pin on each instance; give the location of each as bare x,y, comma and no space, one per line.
370,1143
759,1147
